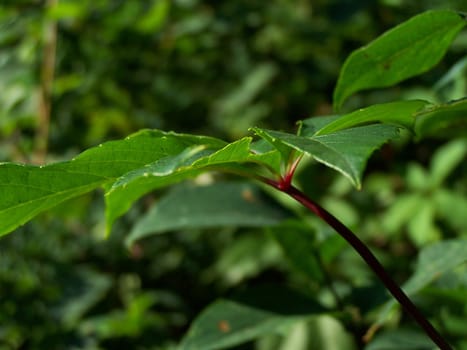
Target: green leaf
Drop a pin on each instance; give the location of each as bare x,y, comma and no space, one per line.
400,113
452,85
406,50
264,153
433,261
284,150
417,178
446,159
127,168
310,126
240,108
131,322
220,204
401,339
318,333
444,120
169,170
346,151
451,206
421,227
27,190
401,211
245,257
155,18
256,313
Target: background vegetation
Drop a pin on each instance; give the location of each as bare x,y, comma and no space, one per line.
214,68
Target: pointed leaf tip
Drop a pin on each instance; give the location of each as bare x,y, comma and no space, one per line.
404,51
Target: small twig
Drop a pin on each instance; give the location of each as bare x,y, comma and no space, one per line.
45,92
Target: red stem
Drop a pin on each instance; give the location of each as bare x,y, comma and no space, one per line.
287,179
367,256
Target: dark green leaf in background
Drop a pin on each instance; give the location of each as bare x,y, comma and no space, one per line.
446,159
401,339
433,261
124,323
252,253
443,121
216,205
255,313
451,207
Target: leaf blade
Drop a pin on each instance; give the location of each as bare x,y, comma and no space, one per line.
400,113
432,262
345,151
22,199
200,207
167,171
406,50
227,323
443,120
27,190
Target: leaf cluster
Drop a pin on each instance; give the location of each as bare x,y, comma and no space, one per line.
148,160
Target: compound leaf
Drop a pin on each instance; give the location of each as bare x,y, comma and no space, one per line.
346,151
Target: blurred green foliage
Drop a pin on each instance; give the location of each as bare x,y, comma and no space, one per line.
215,68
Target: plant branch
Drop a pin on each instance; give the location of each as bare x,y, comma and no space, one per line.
368,257
45,92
